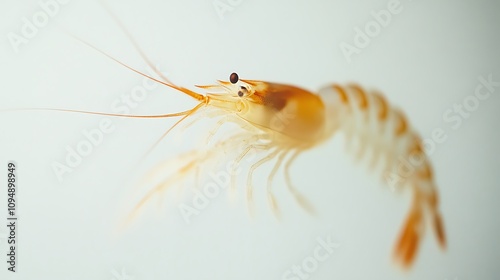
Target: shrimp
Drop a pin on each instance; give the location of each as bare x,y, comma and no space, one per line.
283,121
350,110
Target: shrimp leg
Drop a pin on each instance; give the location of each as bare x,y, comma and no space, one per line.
270,196
232,185
232,188
265,159
301,200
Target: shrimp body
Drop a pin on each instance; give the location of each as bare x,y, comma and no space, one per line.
282,120
364,118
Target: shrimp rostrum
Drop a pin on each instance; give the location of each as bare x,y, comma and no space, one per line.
284,121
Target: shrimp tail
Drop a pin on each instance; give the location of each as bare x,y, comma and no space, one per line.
439,229
408,243
437,221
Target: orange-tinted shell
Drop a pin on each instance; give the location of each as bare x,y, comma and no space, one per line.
289,110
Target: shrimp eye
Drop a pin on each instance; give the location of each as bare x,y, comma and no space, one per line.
233,78
242,91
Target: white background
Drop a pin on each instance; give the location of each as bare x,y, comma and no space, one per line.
428,58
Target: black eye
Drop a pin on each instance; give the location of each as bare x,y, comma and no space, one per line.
233,78
240,93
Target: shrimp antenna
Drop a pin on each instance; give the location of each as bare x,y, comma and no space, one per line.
134,42
197,96
184,113
165,82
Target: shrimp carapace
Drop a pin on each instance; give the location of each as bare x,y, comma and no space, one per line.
282,109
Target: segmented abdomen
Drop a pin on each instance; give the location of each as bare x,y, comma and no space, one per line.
369,122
